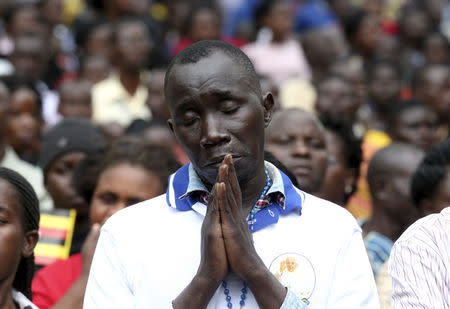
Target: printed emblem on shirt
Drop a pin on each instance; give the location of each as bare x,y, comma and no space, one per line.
296,272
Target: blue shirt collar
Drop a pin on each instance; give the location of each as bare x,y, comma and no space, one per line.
185,181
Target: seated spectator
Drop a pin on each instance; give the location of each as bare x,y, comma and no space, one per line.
303,151
276,42
31,60
155,100
384,81
10,159
157,133
431,86
344,160
203,22
25,122
75,100
389,175
420,264
336,99
100,180
436,49
121,97
430,185
64,146
19,17
19,216
414,123
94,68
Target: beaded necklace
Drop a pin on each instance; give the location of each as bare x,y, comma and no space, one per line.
250,221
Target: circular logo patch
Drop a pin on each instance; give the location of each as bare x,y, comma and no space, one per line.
295,272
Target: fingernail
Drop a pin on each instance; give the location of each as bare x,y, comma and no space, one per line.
96,226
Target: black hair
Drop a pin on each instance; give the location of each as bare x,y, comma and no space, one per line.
14,83
264,9
13,8
26,196
352,147
395,110
140,125
203,49
431,172
353,22
268,156
86,29
193,11
375,65
128,150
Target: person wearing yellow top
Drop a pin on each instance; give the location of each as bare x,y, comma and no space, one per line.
121,97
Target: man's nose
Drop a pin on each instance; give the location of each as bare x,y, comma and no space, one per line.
213,133
300,149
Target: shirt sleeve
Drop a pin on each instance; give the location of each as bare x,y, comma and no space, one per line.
108,285
353,283
292,301
418,277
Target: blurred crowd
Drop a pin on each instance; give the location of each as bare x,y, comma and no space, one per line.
361,87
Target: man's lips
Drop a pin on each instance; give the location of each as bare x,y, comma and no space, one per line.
301,170
216,161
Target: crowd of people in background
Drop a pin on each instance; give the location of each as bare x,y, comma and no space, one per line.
362,119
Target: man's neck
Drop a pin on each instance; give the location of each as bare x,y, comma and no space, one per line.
383,224
6,300
252,189
130,80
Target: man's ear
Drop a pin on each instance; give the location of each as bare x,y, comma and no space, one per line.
268,104
380,188
29,242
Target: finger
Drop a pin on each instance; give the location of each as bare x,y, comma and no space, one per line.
234,183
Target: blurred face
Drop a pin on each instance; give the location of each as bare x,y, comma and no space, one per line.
25,19
30,57
52,11
99,41
59,185
298,141
338,176
417,126
205,26
384,88
14,242
436,90
111,195
216,110
437,50
336,99
155,99
369,34
133,45
159,136
415,26
354,73
76,101
24,121
280,20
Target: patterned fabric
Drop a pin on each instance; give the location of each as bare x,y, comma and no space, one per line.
281,198
378,248
420,264
292,302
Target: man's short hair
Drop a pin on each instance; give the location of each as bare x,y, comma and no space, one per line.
431,172
203,49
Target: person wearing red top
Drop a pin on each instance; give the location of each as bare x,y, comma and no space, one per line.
99,179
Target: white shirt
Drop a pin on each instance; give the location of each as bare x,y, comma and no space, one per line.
22,301
420,264
148,253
